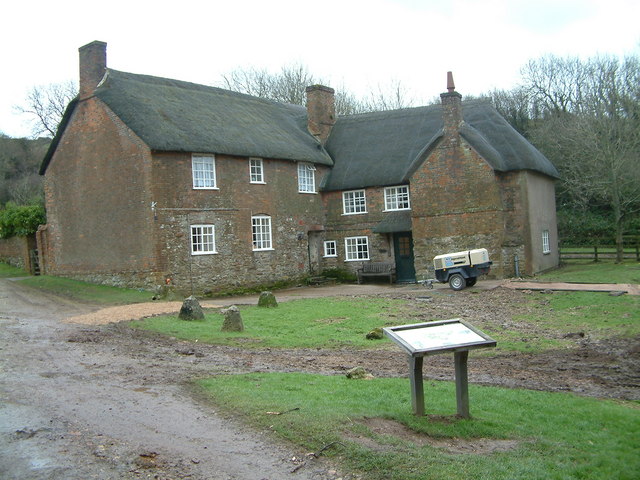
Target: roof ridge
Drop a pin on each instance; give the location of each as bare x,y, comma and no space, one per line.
184,84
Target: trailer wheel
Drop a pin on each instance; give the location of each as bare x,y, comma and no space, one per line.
471,281
457,282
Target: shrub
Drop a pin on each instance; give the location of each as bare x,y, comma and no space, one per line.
21,220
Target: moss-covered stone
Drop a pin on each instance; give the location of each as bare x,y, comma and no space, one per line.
267,300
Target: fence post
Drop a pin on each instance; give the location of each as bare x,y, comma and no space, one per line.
595,253
637,253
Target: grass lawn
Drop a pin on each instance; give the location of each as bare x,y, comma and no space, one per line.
87,292
344,322
307,323
517,434
591,272
7,271
600,314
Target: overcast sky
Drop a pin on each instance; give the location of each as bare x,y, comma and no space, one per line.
358,44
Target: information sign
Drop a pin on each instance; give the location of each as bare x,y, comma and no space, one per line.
429,338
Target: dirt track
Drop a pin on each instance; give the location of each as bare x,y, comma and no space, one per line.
84,400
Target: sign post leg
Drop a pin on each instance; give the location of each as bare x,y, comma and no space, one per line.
417,387
462,383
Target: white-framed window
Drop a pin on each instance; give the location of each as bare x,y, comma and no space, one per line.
354,202
546,248
306,178
203,239
256,172
356,248
330,248
261,232
203,168
397,198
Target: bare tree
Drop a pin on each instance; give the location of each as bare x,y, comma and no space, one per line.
290,83
45,104
591,131
391,97
287,86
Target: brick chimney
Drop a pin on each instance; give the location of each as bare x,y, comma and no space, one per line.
93,63
321,111
451,108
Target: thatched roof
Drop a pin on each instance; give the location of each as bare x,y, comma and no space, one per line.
172,115
385,148
366,150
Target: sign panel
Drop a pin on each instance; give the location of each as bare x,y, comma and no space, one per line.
441,336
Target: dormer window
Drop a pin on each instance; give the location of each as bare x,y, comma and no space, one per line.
306,178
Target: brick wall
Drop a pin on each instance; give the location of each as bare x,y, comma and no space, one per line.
97,196
458,204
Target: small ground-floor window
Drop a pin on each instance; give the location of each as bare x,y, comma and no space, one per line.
546,248
203,239
261,232
330,248
356,248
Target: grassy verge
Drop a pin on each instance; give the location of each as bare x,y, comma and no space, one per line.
308,323
7,271
86,292
515,434
591,272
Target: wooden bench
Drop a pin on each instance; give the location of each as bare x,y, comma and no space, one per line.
376,269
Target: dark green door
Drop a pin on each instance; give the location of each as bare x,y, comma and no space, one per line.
403,250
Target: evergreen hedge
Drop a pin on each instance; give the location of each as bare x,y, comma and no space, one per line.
21,220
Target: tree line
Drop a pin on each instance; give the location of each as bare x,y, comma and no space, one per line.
584,115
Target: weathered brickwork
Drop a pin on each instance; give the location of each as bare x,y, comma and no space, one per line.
121,214
97,195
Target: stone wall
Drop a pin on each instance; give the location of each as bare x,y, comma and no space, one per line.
229,208
340,226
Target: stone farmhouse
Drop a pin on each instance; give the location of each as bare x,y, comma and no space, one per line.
152,181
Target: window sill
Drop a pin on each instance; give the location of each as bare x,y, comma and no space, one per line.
330,256
195,254
206,188
309,193
258,183
397,209
358,260
354,213
263,249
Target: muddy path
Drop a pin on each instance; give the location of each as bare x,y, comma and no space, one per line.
80,403
105,401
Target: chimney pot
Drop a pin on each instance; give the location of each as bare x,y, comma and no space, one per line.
450,85
451,110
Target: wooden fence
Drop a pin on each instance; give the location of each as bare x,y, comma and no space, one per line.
598,252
